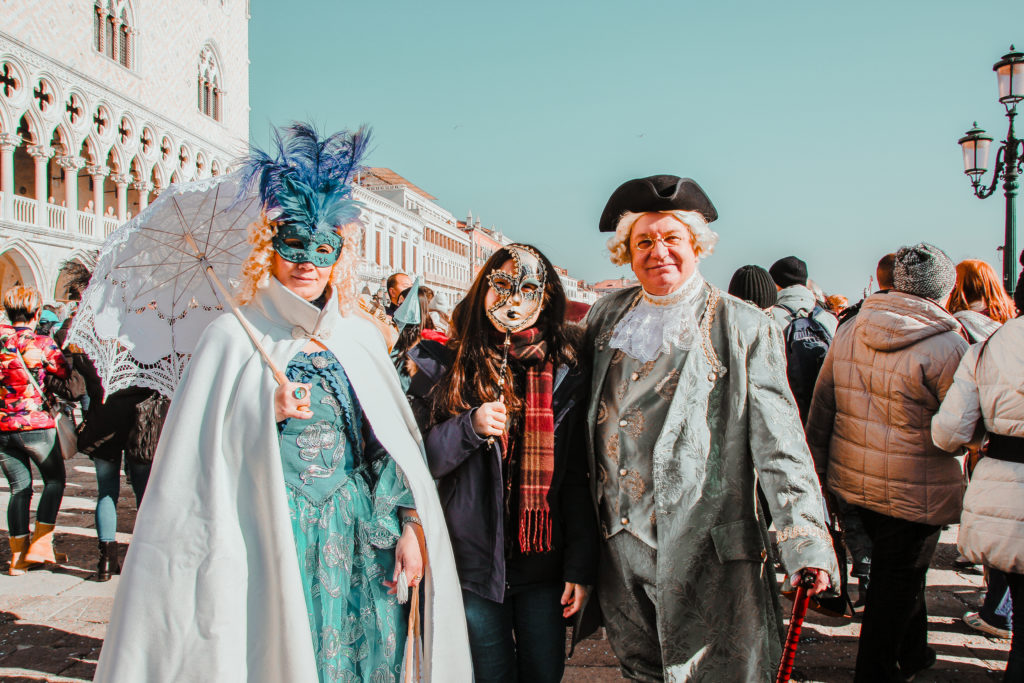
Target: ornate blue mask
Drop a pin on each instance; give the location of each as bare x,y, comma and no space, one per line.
297,244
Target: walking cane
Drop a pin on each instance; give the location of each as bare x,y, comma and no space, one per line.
796,624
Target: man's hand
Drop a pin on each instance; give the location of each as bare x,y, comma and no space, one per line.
821,580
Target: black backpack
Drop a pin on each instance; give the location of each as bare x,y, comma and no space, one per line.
807,342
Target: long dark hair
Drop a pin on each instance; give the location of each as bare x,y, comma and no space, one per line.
473,377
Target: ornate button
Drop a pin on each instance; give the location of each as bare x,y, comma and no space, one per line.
623,472
635,376
622,423
625,521
711,376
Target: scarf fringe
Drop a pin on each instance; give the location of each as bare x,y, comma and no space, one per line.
535,531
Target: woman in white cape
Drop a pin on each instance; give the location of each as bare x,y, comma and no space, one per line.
280,516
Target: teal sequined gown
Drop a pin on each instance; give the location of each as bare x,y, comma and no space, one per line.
344,492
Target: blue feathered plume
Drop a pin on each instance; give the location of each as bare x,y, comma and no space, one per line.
309,179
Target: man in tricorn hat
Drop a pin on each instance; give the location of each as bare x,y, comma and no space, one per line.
690,408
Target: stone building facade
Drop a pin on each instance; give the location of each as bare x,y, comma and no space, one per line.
103,104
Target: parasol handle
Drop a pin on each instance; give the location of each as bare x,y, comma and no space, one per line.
796,624
279,376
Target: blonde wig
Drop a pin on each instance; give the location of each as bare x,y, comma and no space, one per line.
257,269
702,238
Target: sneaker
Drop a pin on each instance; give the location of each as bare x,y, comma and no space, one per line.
974,620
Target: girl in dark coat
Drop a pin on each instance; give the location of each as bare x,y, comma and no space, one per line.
501,407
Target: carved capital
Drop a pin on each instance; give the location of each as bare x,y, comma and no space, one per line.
122,179
97,171
9,141
144,186
70,163
40,152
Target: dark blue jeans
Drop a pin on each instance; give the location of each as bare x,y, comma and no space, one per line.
108,485
17,451
522,639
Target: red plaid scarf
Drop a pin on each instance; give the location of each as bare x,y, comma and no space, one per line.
537,465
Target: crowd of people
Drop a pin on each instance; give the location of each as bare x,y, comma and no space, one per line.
330,461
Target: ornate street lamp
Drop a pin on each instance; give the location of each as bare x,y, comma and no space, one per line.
1009,159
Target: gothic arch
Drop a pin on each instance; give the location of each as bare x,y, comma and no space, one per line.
60,286
210,82
90,150
34,126
19,265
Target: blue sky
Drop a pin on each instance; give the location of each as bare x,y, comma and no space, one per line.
822,129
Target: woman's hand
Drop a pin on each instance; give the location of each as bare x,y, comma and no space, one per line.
573,597
821,580
287,404
408,558
489,419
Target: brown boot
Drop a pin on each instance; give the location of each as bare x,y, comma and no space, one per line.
18,563
40,548
108,564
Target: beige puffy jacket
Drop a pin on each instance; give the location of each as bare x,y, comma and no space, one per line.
869,425
992,390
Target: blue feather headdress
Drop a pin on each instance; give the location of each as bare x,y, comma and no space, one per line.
309,179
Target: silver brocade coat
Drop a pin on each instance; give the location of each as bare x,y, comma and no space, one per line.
717,599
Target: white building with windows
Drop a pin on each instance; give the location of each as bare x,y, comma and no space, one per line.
405,230
103,103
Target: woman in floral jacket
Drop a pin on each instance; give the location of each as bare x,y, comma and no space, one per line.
27,431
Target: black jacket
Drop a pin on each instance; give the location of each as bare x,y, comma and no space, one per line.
471,484
128,422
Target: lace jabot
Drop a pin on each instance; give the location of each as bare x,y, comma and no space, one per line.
657,323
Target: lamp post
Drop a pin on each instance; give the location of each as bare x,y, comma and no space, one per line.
1009,159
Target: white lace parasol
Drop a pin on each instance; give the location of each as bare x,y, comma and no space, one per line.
151,297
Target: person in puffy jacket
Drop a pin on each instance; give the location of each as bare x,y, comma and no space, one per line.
27,431
986,392
869,429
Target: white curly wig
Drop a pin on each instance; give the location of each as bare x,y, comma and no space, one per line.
702,237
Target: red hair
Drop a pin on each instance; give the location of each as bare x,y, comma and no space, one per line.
977,281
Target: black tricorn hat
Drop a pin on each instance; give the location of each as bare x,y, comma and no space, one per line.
656,193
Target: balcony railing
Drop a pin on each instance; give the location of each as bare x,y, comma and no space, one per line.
57,218
23,209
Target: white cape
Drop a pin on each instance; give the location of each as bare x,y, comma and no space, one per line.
210,589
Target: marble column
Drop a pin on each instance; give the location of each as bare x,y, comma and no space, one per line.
8,143
122,181
98,174
144,189
70,165
41,156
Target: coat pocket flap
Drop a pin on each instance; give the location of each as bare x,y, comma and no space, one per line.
739,540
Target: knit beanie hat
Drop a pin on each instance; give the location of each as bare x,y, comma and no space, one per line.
754,284
924,270
789,271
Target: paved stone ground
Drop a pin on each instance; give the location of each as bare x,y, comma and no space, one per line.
52,623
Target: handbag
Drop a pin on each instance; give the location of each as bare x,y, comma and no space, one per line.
67,432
